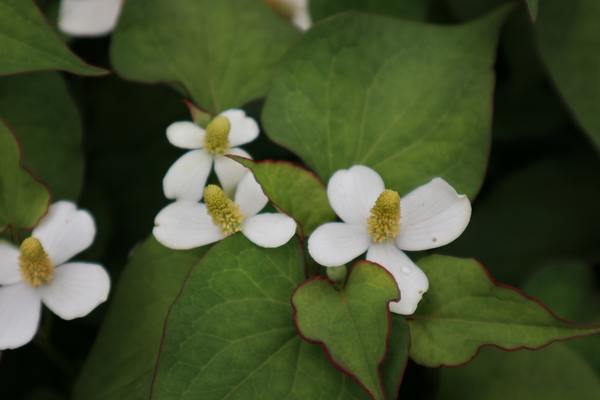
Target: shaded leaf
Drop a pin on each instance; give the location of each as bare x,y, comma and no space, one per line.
224,53
47,121
23,199
412,9
29,44
404,98
352,324
464,310
294,190
395,363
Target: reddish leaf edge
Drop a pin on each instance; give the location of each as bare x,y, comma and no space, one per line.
530,298
31,174
323,346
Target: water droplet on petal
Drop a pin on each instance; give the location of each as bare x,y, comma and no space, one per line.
406,270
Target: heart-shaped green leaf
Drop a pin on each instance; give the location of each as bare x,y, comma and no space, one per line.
23,199
413,9
39,108
123,358
568,40
408,99
223,53
464,310
230,335
29,44
305,200
352,324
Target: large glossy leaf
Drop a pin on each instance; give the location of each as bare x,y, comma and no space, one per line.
568,35
223,53
230,335
351,323
294,190
465,310
413,9
23,199
411,100
29,44
124,356
48,126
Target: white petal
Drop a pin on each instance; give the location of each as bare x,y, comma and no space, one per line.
186,178
337,243
230,172
65,231
76,289
88,17
186,135
250,196
411,281
269,229
20,309
352,193
9,264
185,225
243,128
432,215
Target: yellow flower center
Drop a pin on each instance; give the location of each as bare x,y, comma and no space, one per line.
384,221
282,8
216,140
35,265
224,212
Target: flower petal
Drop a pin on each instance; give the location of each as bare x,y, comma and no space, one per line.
186,178
185,225
186,135
431,216
269,229
411,281
335,243
65,231
250,196
353,192
76,289
88,17
20,308
230,172
243,129
9,264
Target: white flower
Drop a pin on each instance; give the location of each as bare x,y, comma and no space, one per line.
294,10
38,272
186,178
88,18
187,224
377,221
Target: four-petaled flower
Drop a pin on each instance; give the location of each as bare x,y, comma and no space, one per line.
186,178
377,221
88,18
38,272
188,224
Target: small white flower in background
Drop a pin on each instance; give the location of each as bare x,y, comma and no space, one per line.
38,272
293,10
377,221
186,178
88,18
186,224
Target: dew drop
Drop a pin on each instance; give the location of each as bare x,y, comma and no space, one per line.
406,270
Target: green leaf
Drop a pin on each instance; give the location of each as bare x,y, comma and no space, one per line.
568,40
223,53
231,335
464,310
305,201
533,7
395,363
122,361
29,44
412,9
47,121
553,373
23,199
352,324
405,98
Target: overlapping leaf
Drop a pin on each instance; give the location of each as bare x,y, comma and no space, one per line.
413,9
399,96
